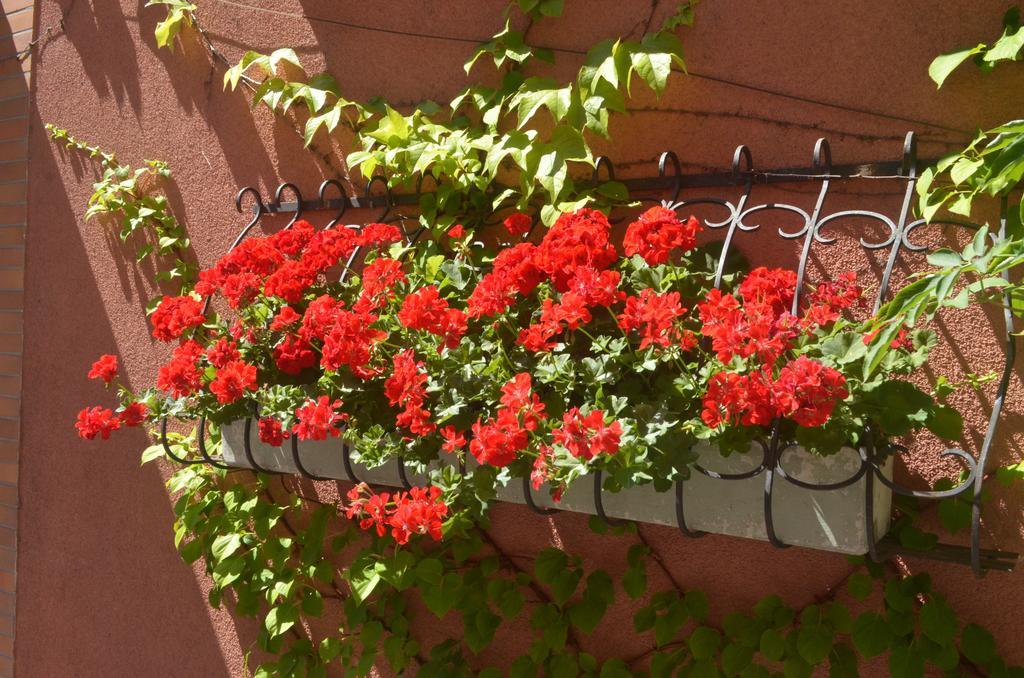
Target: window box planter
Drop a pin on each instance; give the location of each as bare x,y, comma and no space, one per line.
826,519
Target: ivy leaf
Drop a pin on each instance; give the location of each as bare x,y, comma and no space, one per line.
653,58
814,642
945,64
938,621
905,661
772,645
548,564
735,658
871,634
860,585
224,545
280,619
704,642
977,644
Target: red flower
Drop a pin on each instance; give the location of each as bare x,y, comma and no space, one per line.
426,310
223,352
518,397
318,419
771,287
497,443
657,232
284,319
350,342
579,238
174,315
271,432
380,278
596,288
181,377
327,248
587,436
105,368
406,387
518,223
232,381
320,317
290,281
513,272
292,241
456,231
739,399
420,511
134,414
542,467
453,439
654,316
97,421
807,391
293,355
378,234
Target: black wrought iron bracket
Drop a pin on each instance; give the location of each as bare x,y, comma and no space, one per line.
736,220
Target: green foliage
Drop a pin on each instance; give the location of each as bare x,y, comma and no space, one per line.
179,15
1009,47
993,163
523,142
131,197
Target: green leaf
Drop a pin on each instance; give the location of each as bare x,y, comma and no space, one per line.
977,644
871,634
945,64
704,642
906,662
549,564
814,642
860,585
735,658
224,545
946,423
772,645
938,621
280,619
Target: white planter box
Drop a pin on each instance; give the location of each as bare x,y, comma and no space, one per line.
831,520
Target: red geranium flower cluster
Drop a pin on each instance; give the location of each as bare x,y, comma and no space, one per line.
174,315
513,272
657,232
102,421
105,368
406,387
805,391
271,432
518,223
418,511
283,265
588,288
586,436
654,316
97,421
318,419
426,310
379,280
233,380
182,376
498,441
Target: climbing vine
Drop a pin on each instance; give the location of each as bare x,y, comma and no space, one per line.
132,197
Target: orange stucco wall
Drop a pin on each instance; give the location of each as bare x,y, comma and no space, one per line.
101,591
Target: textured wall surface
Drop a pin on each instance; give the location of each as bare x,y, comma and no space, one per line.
101,591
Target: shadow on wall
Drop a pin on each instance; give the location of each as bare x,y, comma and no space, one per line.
134,587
